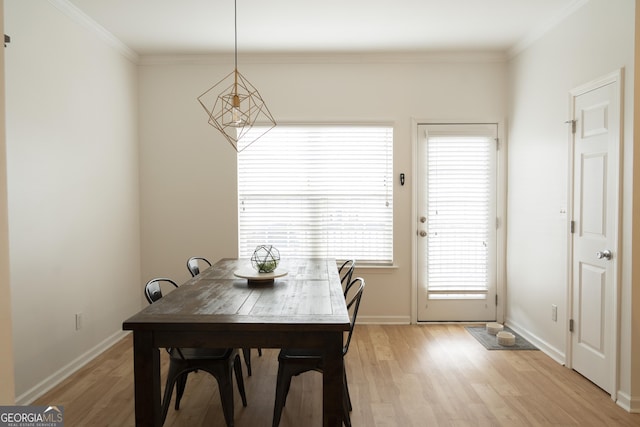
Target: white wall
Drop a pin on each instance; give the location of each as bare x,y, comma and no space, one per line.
634,298
7,396
188,172
73,192
596,40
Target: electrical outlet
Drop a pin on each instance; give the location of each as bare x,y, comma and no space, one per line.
78,321
554,312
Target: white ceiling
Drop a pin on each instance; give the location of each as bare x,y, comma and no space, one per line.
167,27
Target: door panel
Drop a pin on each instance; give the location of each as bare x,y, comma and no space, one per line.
593,211
595,214
592,294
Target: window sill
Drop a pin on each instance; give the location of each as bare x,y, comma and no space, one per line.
377,268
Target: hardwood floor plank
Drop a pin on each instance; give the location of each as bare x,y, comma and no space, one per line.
399,375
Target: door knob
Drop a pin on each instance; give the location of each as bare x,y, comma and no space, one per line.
423,233
423,219
606,254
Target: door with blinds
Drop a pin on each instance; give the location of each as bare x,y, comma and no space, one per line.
457,244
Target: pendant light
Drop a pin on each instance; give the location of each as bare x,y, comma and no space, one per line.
238,107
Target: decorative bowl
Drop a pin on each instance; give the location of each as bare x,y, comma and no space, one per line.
493,328
506,338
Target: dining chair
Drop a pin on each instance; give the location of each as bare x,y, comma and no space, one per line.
293,362
193,265
346,272
219,362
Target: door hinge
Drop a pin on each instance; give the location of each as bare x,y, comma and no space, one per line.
497,144
496,299
573,125
570,325
573,227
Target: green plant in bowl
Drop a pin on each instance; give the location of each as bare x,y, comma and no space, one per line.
267,266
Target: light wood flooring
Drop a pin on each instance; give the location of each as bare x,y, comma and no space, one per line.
419,375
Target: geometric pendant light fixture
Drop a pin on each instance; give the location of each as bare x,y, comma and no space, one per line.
234,105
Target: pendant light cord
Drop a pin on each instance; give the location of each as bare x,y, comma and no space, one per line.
235,29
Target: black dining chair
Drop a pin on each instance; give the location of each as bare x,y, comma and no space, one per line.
346,272
219,362
193,265
292,362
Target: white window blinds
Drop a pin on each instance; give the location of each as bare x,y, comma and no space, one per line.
461,215
323,191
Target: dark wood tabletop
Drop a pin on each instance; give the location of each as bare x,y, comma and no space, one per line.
303,309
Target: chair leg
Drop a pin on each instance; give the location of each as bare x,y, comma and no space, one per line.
239,380
168,390
346,406
346,418
247,359
282,389
225,387
181,383
346,391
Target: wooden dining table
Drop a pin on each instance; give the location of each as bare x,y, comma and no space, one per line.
303,309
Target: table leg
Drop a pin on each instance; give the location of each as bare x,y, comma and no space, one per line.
146,369
332,387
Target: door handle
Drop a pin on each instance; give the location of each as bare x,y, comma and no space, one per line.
423,233
423,219
606,254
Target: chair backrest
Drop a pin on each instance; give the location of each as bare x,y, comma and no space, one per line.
353,295
153,292
193,265
153,288
346,271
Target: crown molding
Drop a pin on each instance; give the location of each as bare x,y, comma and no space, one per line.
545,27
83,19
328,58
321,57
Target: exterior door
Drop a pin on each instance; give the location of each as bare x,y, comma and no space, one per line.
456,242
596,176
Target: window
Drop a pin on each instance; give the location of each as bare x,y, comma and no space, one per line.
318,191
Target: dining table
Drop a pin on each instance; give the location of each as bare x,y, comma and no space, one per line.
299,305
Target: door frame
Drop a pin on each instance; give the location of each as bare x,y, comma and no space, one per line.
616,78
501,210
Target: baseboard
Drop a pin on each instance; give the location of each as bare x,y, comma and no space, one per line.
57,377
384,320
628,403
554,353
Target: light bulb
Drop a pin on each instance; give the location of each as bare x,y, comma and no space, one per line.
236,114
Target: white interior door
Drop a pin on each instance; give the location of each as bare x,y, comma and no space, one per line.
456,243
596,176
